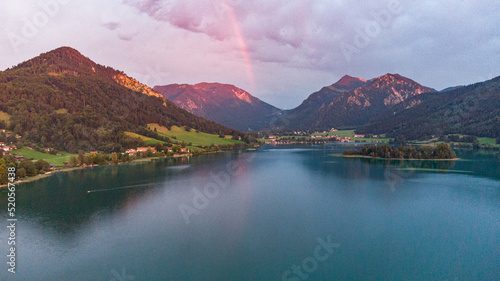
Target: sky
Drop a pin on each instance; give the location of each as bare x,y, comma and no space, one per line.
279,51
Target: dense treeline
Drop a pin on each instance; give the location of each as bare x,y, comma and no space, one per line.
23,169
65,101
440,151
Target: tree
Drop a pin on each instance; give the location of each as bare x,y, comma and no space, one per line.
73,161
159,146
30,168
176,148
80,157
21,173
476,144
9,159
42,165
3,174
444,151
400,139
114,158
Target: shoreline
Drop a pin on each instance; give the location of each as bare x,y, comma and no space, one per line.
64,170
401,159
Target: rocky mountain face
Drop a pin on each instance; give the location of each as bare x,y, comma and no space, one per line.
351,102
222,103
470,110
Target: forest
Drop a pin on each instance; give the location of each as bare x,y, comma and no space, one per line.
440,151
64,101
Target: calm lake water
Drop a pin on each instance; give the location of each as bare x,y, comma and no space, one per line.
278,213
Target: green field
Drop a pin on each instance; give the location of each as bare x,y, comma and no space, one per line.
371,139
487,140
197,139
147,140
340,133
58,159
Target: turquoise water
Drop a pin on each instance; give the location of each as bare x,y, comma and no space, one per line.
279,213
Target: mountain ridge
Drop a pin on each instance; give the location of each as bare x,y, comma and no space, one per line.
350,102
223,103
471,110
65,100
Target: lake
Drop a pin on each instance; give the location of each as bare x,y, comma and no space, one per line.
278,213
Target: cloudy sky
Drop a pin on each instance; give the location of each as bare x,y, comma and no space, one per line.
280,51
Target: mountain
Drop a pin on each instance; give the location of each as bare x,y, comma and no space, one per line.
450,88
307,110
470,110
223,103
352,102
64,100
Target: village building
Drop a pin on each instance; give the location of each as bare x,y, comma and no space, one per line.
145,149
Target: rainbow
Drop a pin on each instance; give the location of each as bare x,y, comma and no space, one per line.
241,42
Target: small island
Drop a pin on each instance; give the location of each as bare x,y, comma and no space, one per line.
441,151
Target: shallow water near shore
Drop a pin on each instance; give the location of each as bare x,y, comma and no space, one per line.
278,213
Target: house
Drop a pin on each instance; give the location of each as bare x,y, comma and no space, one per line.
7,148
145,149
20,157
93,152
49,149
333,130
131,151
184,149
359,136
169,149
2,144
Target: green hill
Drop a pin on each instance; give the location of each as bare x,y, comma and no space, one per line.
63,100
196,138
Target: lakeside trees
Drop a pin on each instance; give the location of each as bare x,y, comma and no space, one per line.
440,151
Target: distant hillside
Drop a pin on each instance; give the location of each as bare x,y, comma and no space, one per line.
64,100
222,103
303,115
352,102
472,110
